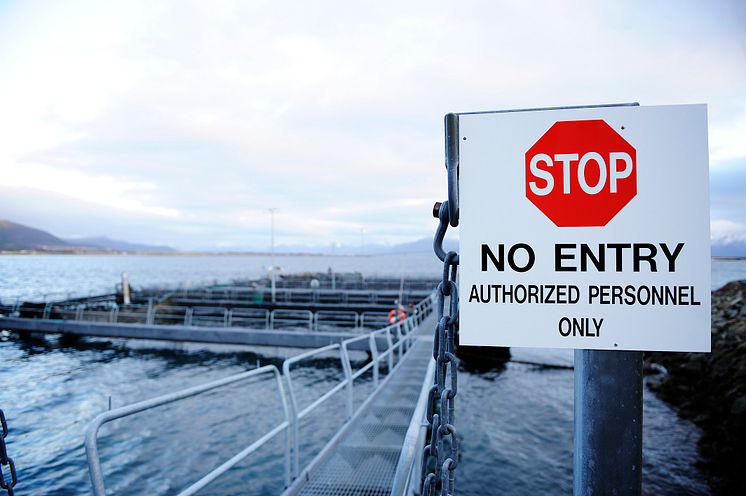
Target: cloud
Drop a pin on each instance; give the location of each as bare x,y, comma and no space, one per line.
727,140
727,232
728,208
191,118
100,190
728,238
728,191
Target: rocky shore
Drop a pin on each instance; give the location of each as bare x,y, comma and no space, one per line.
710,390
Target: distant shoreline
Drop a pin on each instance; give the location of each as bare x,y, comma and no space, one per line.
184,253
232,253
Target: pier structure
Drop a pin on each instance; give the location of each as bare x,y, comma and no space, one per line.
377,449
319,309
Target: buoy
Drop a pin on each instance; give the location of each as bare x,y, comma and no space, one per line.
396,315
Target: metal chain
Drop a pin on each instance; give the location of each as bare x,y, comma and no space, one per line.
442,454
5,460
442,397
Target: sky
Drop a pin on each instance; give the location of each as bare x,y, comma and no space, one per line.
180,123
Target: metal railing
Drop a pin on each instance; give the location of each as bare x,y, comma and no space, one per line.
91,436
210,316
202,316
398,339
334,318
248,317
246,290
238,295
409,466
373,319
280,318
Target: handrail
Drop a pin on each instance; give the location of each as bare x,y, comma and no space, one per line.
319,314
348,382
413,439
373,363
156,315
91,435
294,414
398,337
285,315
404,336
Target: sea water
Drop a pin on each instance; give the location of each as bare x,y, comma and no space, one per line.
515,422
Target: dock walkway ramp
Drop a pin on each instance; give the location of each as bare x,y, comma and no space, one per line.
375,452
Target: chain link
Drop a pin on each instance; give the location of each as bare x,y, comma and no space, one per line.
442,454
441,405
5,460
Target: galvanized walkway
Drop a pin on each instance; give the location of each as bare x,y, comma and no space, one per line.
375,453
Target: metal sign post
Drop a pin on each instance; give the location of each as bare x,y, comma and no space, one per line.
607,436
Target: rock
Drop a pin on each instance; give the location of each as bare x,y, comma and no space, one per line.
710,389
739,406
483,358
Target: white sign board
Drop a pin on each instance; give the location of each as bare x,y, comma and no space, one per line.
585,228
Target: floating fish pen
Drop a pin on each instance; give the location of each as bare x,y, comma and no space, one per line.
313,305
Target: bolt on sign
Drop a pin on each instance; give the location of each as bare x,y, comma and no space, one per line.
585,227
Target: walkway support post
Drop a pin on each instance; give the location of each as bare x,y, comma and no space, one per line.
125,289
607,442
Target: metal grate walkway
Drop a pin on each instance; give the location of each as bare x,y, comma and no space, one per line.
363,458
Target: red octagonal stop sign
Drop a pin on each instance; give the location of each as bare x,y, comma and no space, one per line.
581,173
